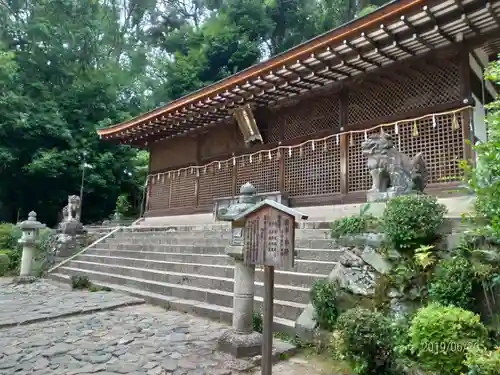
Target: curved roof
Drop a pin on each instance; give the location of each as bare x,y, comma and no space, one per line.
398,30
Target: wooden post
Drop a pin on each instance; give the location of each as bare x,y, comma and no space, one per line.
344,143
267,331
269,241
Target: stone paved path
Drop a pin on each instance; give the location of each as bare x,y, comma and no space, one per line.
139,339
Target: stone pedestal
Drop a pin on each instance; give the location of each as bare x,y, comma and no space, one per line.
26,260
241,340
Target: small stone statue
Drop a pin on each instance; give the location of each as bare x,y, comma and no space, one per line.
70,223
72,210
393,173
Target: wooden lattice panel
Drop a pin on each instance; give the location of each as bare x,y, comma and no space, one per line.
419,87
304,117
215,183
261,172
313,171
183,191
159,193
441,146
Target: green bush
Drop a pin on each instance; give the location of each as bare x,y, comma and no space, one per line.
9,235
440,335
123,206
257,322
366,341
4,264
481,361
410,221
452,283
352,225
324,300
80,282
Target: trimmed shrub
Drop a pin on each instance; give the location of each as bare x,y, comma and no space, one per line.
481,361
324,300
410,221
440,336
366,341
452,283
80,282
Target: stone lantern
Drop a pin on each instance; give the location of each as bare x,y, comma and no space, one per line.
30,231
241,341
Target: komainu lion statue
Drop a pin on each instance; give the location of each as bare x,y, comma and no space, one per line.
393,173
72,210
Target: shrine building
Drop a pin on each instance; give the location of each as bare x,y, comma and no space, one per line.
293,125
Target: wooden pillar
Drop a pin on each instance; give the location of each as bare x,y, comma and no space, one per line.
466,93
282,175
235,179
344,143
197,178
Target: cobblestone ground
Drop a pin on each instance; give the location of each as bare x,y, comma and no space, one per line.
140,339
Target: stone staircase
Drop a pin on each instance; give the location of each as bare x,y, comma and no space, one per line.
185,268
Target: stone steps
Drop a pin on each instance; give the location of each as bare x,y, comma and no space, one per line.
208,242
195,307
184,261
186,268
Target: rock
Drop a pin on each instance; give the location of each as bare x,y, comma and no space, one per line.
170,365
349,259
374,259
58,349
360,281
40,364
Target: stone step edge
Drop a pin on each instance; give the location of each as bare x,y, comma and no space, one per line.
204,290
193,255
315,224
203,246
197,275
179,303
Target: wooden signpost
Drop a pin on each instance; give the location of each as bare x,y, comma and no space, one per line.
269,241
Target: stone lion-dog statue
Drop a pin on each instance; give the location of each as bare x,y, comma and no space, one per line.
72,210
393,173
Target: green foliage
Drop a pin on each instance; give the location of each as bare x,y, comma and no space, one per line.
122,205
9,235
4,263
481,361
257,322
324,300
452,283
366,341
80,282
484,178
410,221
440,335
353,224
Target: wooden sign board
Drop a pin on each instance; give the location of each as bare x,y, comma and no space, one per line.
269,238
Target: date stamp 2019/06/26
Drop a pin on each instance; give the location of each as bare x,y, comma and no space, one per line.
449,346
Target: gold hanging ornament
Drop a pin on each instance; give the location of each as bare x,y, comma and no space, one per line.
168,175
250,159
454,122
219,165
434,123
396,129
351,139
260,157
414,129
301,151
197,172
325,145
270,156
278,154
366,135
312,145
205,170
289,152
234,161
337,139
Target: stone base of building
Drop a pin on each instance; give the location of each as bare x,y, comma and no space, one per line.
240,345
